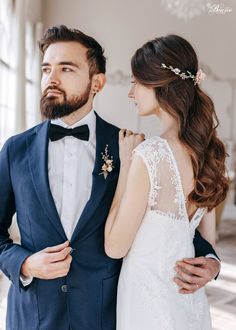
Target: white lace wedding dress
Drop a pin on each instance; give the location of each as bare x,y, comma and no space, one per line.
148,299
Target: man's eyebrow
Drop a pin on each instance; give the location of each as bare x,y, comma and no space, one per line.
69,63
61,63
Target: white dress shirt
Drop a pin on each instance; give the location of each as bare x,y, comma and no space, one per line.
70,166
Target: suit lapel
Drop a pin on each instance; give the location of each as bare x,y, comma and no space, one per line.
38,163
105,135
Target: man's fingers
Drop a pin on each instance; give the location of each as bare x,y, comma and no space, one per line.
56,268
195,261
189,278
186,286
183,291
204,268
190,268
58,256
56,248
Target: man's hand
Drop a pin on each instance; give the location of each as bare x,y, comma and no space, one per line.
195,273
49,263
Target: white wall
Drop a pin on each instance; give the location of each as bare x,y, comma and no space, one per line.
123,26
34,10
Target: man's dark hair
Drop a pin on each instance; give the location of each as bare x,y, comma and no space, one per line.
95,52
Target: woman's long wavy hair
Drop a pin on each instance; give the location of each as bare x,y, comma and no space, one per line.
193,109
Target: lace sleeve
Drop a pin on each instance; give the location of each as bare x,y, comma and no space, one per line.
149,152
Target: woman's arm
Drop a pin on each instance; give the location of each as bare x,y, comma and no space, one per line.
129,203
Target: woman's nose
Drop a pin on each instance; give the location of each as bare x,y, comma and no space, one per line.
131,92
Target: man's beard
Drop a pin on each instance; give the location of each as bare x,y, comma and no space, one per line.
51,108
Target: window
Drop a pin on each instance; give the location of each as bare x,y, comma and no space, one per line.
19,69
6,71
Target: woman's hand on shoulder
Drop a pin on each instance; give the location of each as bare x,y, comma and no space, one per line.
128,141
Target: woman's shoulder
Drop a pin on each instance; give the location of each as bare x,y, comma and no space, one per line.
153,143
152,151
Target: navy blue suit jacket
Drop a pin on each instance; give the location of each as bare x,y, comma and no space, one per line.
86,298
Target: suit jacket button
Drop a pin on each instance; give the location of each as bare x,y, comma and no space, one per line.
64,288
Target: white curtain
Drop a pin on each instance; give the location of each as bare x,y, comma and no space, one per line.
19,69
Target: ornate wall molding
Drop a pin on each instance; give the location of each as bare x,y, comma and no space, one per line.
118,77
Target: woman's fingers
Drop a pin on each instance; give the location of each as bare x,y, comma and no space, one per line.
128,133
128,141
124,133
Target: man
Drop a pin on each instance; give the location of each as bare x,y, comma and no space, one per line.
57,180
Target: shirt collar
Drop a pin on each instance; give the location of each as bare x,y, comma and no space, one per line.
89,119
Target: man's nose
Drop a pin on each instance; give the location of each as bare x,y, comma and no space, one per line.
54,78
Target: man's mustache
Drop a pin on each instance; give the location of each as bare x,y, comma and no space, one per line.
51,88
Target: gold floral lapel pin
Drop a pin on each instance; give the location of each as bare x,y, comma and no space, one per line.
107,167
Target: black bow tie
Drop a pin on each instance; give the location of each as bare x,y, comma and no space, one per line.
57,132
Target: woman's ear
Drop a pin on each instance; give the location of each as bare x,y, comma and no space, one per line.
98,82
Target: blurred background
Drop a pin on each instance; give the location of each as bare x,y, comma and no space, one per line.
121,27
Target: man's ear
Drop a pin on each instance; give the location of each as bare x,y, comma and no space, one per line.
98,82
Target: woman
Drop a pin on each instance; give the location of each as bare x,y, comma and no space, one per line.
169,189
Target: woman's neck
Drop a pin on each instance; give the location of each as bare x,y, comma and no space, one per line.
169,126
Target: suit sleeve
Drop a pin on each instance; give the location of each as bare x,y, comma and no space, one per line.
202,247
11,255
